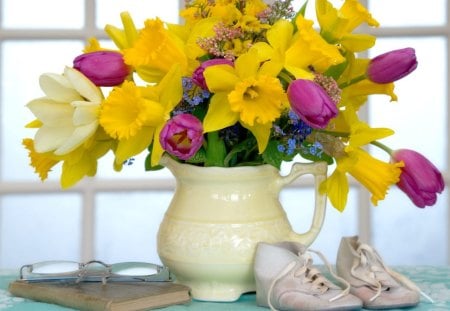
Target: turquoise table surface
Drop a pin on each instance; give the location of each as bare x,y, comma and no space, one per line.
434,281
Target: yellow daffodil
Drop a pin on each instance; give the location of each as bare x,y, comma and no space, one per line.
227,13
246,93
297,54
135,115
155,51
279,38
310,49
42,162
93,46
375,175
203,29
196,11
249,23
77,164
68,113
254,7
336,186
357,94
337,25
83,161
126,37
361,133
355,161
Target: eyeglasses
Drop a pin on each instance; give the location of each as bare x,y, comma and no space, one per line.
94,271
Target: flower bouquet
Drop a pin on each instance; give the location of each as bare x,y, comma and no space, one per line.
237,83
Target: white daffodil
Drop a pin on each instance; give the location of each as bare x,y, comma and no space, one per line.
68,112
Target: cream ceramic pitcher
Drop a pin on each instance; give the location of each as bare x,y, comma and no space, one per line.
217,216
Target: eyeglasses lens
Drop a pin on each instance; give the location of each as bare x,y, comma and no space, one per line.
134,269
55,267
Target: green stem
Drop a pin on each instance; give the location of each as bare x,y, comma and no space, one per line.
250,151
283,75
216,150
382,147
352,81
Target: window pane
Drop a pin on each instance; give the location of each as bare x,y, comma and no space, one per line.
419,118
406,235
127,224
108,11
409,12
19,85
43,14
39,227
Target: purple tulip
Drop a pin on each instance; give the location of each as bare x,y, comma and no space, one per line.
198,77
420,179
392,66
182,136
311,103
103,68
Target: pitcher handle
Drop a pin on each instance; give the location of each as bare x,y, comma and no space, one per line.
319,171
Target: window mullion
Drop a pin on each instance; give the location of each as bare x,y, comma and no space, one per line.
89,16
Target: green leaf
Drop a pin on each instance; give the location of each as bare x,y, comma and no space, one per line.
272,155
198,158
242,147
300,12
215,150
200,111
149,167
336,71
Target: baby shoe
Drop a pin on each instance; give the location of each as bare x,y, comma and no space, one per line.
371,280
286,280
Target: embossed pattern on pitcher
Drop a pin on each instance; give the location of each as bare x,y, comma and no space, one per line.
218,242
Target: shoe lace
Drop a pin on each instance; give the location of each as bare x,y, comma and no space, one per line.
370,257
311,275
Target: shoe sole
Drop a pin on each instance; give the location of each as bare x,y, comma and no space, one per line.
408,305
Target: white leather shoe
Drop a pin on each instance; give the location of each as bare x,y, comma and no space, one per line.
371,280
286,280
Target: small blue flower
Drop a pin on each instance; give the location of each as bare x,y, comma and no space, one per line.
315,149
129,161
292,144
192,93
293,117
